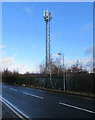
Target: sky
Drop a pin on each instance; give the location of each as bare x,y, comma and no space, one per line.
23,34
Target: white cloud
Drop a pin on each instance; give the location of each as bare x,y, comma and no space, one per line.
86,63
6,62
25,68
84,30
86,27
88,51
28,10
12,64
70,62
1,50
2,46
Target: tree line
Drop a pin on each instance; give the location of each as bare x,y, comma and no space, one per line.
76,79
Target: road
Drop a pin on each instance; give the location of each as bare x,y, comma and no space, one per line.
7,113
35,103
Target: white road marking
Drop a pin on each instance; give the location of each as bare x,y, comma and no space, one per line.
76,107
4,87
33,95
14,108
13,89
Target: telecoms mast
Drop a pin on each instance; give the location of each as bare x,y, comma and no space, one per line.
47,18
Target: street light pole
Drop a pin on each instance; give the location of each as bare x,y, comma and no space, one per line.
63,74
64,84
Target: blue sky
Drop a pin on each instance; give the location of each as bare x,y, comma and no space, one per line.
23,33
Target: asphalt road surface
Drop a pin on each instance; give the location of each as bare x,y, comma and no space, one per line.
7,113
33,103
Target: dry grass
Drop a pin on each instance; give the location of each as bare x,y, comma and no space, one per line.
82,94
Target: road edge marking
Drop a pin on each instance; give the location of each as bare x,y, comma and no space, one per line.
61,103
14,107
4,86
12,110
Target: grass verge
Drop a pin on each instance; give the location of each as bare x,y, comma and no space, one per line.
81,94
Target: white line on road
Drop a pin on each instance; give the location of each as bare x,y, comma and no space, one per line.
13,89
14,107
76,107
33,95
4,87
